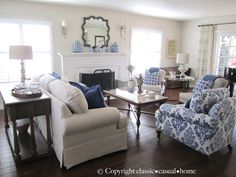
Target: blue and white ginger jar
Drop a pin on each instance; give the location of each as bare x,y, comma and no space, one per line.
114,47
77,47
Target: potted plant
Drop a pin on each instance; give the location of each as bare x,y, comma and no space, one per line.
131,81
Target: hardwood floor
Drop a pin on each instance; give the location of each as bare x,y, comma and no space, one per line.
144,152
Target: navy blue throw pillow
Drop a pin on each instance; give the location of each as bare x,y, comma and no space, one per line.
83,88
94,97
154,70
187,105
54,74
92,94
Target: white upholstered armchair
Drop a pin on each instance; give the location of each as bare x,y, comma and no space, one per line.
154,79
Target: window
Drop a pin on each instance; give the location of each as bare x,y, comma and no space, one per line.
226,55
36,34
145,49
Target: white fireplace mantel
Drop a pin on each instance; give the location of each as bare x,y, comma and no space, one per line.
72,64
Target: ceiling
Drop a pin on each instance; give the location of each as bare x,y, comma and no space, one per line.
172,9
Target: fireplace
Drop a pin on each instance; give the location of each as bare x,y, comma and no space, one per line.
103,77
72,64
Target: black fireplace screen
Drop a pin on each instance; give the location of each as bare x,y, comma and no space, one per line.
103,77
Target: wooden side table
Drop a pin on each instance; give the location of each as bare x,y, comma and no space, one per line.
185,81
22,108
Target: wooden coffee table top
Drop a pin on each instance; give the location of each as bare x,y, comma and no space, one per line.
133,97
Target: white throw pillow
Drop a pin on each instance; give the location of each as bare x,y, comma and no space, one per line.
45,80
70,95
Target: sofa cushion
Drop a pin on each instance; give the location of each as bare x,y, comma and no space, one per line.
70,95
45,80
151,78
202,102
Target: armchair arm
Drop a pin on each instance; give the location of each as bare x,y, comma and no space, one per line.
180,112
224,111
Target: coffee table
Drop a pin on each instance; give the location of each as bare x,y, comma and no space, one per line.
138,100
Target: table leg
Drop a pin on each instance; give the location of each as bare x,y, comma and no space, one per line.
138,113
108,100
5,117
16,143
185,86
48,133
33,136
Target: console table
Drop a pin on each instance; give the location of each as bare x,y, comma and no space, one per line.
185,81
28,146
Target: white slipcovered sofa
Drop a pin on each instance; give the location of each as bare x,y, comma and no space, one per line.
81,134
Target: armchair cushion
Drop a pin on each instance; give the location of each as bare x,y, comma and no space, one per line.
203,101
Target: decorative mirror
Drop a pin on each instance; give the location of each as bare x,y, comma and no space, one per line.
95,31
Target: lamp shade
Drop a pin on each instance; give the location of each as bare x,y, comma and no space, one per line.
182,58
20,52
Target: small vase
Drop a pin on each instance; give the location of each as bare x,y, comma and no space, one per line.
114,47
131,84
77,47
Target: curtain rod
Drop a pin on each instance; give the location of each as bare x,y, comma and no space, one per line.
229,23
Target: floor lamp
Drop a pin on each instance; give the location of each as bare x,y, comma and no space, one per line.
21,52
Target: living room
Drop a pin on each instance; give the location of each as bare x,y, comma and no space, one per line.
60,26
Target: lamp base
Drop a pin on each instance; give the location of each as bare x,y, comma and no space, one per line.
182,69
20,86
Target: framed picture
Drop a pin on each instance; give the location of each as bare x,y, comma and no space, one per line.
171,48
99,41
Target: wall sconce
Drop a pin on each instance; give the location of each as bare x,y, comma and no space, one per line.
123,29
64,28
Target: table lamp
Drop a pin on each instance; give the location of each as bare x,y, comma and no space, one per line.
182,59
21,52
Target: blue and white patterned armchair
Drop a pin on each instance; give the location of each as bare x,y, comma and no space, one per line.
206,126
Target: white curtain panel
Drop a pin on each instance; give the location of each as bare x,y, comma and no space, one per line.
205,51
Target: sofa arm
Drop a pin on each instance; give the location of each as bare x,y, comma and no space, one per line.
93,119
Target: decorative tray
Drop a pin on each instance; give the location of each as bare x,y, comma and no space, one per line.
26,93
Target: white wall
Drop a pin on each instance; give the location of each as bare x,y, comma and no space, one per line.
74,17
191,35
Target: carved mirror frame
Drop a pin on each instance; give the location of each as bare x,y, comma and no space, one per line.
106,38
